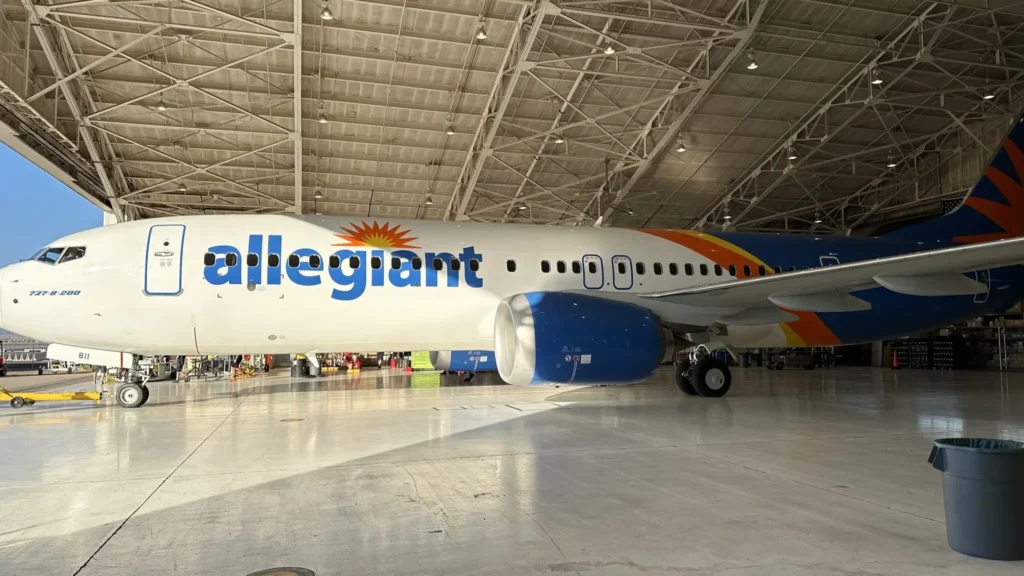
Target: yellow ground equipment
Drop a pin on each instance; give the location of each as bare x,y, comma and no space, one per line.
19,399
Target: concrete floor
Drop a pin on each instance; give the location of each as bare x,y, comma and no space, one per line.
795,473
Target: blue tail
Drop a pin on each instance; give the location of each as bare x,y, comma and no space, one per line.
992,210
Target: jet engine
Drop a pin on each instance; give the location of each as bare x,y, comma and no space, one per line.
463,360
567,338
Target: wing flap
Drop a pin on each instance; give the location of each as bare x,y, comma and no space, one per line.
948,284
822,302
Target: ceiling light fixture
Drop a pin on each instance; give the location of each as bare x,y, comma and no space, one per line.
325,13
629,209
521,207
609,49
817,218
988,95
160,106
751,62
559,139
481,33
449,130
428,200
318,194
681,147
876,78
182,188
892,162
792,154
727,216
321,117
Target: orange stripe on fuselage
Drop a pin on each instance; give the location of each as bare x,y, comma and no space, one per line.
809,330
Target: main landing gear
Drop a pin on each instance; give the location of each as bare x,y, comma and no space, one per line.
700,374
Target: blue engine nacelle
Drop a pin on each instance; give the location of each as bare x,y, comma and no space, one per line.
463,360
564,338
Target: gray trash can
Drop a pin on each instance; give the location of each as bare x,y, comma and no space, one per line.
983,491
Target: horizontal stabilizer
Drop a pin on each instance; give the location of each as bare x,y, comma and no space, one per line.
759,316
821,302
944,284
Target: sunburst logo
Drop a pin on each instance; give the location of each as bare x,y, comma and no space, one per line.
375,236
1010,215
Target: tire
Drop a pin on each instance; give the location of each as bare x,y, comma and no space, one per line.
129,396
682,370
711,378
3,372
145,395
17,402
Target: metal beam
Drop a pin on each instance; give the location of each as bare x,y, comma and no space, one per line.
668,138
297,100
69,96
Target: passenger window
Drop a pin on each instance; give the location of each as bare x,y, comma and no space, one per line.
334,262
209,259
673,269
417,263
314,262
231,259
778,269
396,262
746,271
622,267
438,264
510,265
657,268
252,260
73,253
689,269
376,262
703,269
560,266
50,255
640,268
293,261
545,266
732,270
760,270
353,262
792,268
273,260
592,267
474,265
455,264
718,270
576,268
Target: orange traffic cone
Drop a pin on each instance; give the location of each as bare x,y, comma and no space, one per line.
895,362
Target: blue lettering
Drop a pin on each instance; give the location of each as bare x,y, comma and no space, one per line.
355,279
468,254
255,273
446,259
220,273
377,273
274,247
296,274
404,275
350,282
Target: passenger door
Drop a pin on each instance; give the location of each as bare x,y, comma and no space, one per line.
622,272
593,272
828,261
164,260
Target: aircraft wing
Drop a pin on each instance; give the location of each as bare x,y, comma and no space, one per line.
939,272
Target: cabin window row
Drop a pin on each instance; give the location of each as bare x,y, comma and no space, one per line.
333,261
659,269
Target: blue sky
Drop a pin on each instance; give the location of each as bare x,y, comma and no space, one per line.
35,208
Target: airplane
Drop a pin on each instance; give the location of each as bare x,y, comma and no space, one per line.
558,305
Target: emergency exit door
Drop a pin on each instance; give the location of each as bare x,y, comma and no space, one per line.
593,272
164,260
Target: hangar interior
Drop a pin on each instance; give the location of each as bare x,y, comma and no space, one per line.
825,117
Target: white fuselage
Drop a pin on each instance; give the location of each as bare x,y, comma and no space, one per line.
132,293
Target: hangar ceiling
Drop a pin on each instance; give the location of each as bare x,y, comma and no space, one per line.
795,115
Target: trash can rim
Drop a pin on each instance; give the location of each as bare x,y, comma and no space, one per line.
947,444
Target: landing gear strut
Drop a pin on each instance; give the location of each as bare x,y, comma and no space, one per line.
701,374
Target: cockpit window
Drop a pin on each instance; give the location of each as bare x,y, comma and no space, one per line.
50,255
73,253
